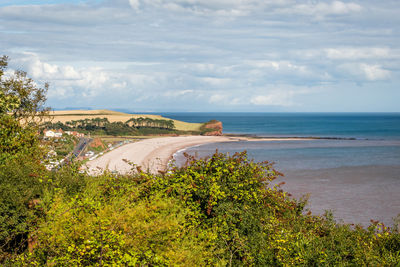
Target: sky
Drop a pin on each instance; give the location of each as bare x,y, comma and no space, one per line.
208,55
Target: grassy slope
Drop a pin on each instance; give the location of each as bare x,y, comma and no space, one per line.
113,116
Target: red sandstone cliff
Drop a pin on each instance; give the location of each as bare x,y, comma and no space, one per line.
97,143
213,128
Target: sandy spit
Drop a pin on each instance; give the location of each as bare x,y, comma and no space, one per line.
151,154
154,154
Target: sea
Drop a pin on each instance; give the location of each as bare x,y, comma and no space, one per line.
351,169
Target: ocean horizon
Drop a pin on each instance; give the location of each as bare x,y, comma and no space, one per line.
354,172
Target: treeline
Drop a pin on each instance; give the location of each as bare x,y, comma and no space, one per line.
134,126
151,123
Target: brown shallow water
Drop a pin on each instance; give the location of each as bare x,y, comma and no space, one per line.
354,194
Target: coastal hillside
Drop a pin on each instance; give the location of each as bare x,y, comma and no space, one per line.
114,116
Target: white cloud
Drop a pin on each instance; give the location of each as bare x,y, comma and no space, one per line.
139,79
45,71
89,81
277,65
135,4
352,53
277,98
240,8
178,93
201,67
374,72
202,52
93,78
209,69
120,85
216,81
365,72
68,72
61,93
283,97
320,9
218,98
337,7
218,8
285,71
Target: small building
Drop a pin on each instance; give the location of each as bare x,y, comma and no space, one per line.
53,133
89,154
49,133
75,133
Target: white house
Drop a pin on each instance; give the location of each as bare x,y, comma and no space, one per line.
49,133
52,133
75,133
89,154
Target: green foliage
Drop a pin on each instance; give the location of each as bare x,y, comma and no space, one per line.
65,145
21,102
20,96
156,131
112,225
20,186
8,102
20,153
151,123
217,211
101,126
26,189
229,194
16,140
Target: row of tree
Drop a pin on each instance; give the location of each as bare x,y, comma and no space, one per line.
104,123
152,123
99,122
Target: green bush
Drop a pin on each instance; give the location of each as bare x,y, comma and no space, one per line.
20,187
110,224
218,211
17,141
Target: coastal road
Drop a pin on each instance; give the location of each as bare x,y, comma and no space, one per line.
80,147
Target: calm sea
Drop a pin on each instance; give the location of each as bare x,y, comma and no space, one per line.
357,179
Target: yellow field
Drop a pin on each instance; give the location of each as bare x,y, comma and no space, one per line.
113,116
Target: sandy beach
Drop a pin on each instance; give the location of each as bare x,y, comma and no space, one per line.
153,154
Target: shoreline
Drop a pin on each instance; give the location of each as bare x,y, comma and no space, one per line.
154,154
255,137
151,154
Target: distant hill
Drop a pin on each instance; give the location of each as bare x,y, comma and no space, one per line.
74,108
114,116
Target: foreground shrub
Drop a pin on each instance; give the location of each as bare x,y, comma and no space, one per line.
20,187
218,211
118,228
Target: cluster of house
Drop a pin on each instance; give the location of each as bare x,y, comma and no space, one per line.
58,133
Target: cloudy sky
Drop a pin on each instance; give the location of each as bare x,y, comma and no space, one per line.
209,55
